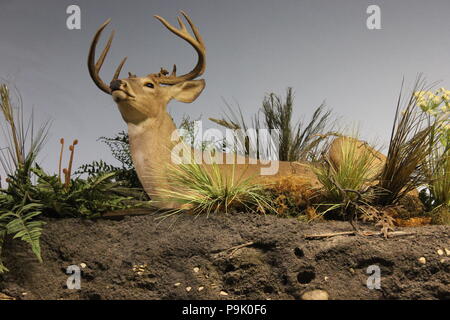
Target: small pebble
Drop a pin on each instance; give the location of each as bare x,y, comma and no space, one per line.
83,265
315,295
201,288
447,252
422,260
188,289
440,252
352,271
223,293
326,278
196,269
139,273
177,284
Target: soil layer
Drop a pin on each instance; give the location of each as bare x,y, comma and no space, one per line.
137,258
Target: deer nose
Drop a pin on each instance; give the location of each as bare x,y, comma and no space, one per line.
116,85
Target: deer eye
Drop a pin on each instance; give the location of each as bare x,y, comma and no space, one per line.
149,85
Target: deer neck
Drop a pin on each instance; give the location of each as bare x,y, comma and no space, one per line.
150,146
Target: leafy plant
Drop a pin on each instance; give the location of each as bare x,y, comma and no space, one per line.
17,216
120,149
20,222
32,193
436,194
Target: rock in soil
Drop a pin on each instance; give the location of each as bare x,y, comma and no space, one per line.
247,256
315,295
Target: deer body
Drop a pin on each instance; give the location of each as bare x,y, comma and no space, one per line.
142,103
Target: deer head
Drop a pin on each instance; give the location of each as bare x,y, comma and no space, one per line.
143,98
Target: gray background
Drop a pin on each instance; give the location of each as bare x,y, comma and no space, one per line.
320,48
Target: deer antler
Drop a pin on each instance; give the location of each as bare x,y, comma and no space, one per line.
163,77
94,67
196,42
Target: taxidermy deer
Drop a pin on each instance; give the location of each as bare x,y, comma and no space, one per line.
142,103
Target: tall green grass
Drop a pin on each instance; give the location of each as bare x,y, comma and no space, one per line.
353,174
297,141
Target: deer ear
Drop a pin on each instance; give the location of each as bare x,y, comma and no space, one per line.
187,91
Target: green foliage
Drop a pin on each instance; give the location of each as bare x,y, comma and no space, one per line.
207,189
32,193
21,140
120,149
354,172
297,142
436,171
86,198
19,222
23,201
346,185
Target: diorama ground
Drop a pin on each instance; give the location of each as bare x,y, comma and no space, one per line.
226,256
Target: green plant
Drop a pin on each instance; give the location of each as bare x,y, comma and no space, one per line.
22,143
296,142
207,189
32,193
120,149
408,150
17,216
346,186
20,223
436,194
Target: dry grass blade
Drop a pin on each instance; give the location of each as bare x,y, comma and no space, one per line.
408,150
22,142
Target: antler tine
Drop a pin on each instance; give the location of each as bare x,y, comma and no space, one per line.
119,69
196,42
182,25
193,27
94,67
105,52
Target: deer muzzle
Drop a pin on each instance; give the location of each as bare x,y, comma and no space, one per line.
116,85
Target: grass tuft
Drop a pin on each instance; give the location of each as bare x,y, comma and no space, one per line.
408,150
206,189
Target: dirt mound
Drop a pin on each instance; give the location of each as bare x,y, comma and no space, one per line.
134,258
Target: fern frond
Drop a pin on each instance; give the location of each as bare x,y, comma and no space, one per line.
22,225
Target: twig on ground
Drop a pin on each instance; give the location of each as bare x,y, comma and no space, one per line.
354,233
235,249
